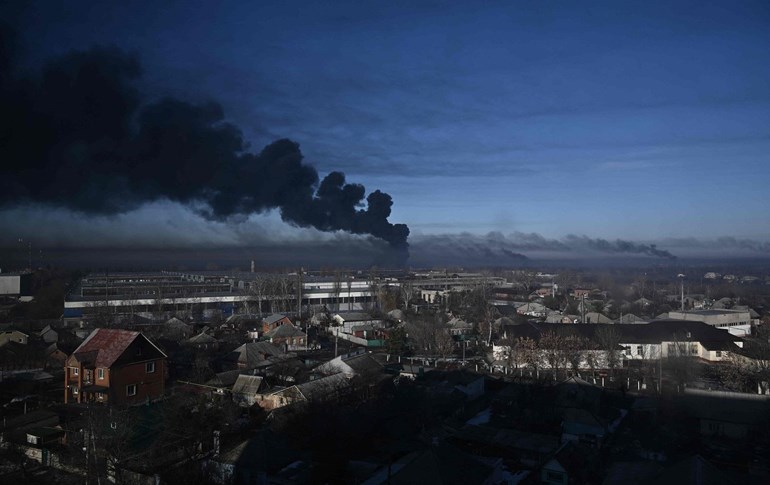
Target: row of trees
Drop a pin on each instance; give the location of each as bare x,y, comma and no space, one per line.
565,350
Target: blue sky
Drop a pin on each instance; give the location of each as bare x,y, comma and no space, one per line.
633,120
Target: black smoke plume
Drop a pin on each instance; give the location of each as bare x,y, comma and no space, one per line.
497,248
80,136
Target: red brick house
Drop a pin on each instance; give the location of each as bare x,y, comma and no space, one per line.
116,367
274,321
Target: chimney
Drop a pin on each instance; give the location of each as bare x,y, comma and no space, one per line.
252,265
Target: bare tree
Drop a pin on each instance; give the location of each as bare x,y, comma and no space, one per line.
407,293
608,337
552,345
526,353
444,344
575,350
680,362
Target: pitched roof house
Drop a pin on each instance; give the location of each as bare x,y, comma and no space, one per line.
249,355
274,321
286,335
115,366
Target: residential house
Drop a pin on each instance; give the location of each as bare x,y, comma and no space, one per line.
55,356
249,355
732,416
467,385
15,428
347,320
642,302
13,335
651,341
459,327
274,321
115,366
253,460
580,292
629,318
223,382
246,388
18,356
570,464
323,389
176,329
532,309
596,317
368,332
283,369
287,336
582,426
202,341
48,334
354,364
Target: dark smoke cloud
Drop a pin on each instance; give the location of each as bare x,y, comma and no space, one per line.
80,136
495,248
617,246
726,243
464,249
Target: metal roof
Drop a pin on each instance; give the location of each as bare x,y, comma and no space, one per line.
105,345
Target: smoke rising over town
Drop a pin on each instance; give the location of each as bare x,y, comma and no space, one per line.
81,136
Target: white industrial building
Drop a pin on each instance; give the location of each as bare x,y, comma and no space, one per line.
202,294
737,322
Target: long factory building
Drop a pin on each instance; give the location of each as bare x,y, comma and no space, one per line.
205,293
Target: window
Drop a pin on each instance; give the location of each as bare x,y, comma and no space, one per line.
719,353
628,350
100,373
639,350
75,371
131,390
694,349
149,367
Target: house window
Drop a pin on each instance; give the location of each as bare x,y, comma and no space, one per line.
100,373
131,390
149,367
694,349
628,350
639,350
719,353
75,371
75,391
